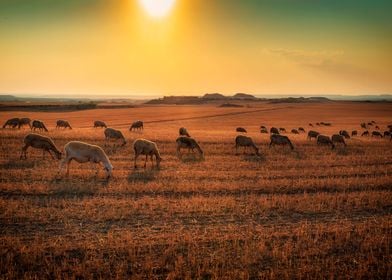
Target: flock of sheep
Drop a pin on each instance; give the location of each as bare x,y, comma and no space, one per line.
83,152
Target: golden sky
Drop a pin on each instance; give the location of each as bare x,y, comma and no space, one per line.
115,48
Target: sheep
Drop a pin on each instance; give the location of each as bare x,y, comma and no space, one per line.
390,126
376,134
183,132
14,122
24,121
294,131
354,133
369,123
99,124
312,134
147,148
301,129
318,124
39,142
280,140
263,127
344,133
137,125
387,133
325,124
274,130
263,130
282,129
245,141
63,123
310,124
39,125
365,133
374,122
241,129
363,125
338,138
377,127
83,152
188,143
111,133
325,140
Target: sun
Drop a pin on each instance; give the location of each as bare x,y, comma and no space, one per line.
157,8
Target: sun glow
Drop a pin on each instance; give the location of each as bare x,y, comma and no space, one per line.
157,8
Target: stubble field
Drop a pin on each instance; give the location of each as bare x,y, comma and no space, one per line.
308,213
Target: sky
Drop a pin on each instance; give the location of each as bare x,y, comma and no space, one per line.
116,48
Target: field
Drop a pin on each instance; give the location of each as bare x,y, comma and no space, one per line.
310,213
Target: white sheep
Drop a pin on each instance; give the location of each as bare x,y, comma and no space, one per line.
111,133
148,148
84,152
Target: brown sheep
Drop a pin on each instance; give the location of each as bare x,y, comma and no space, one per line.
263,127
294,131
310,124
376,134
245,141
312,134
63,123
282,129
337,138
38,125
325,140
147,148
377,127
12,123
365,133
354,133
274,130
83,152
301,129
241,129
183,132
137,125
263,130
111,133
387,133
345,134
24,121
363,125
99,124
39,142
189,143
280,140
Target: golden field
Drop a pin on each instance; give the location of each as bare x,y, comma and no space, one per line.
310,213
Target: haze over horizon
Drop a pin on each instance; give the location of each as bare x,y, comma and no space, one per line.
120,48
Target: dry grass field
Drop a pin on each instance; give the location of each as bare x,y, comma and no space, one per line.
310,213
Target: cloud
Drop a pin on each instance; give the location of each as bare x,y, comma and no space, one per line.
310,58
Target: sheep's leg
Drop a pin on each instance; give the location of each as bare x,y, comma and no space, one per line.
270,144
178,152
50,154
24,151
145,162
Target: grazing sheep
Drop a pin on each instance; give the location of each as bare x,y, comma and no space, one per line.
387,133
63,123
188,143
390,126
365,133
39,142
137,125
325,140
83,152
377,127
240,129
274,130
318,124
301,129
294,131
369,123
344,133
24,121
363,125
282,129
354,133
12,123
338,138
99,124
183,132
376,134
280,140
312,134
373,122
263,127
39,125
310,124
245,141
326,124
111,133
147,148
263,130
